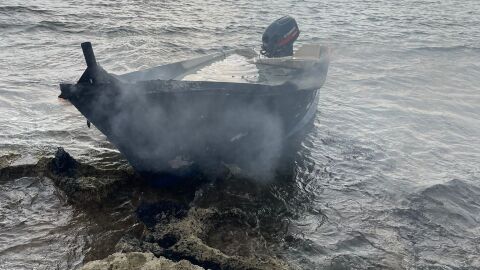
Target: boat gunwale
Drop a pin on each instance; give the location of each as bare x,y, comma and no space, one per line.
184,87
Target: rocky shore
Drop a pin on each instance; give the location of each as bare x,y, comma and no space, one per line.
201,226
140,261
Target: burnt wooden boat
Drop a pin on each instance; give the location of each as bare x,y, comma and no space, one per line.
164,118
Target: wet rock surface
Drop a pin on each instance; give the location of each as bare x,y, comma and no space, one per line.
138,261
83,184
210,226
210,238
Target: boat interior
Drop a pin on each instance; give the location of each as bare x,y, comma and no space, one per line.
238,66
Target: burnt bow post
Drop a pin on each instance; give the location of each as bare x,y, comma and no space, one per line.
88,54
93,73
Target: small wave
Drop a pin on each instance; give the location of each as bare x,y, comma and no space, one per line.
56,26
447,48
180,29
124,31
12,26
8,10
454,189
455,204
441,215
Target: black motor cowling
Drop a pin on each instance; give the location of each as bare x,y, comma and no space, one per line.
278,38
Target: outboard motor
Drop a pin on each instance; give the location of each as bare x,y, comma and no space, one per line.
278,38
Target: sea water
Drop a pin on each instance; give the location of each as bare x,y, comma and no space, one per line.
388,178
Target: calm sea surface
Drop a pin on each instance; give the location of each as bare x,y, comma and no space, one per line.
390,175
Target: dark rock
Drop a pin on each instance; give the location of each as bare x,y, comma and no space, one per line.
63,163
168,240
194,237
163,211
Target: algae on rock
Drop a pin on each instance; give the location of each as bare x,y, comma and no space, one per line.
138,261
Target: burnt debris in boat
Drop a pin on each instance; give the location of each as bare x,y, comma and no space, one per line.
165,120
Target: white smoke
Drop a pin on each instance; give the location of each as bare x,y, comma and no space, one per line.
152,132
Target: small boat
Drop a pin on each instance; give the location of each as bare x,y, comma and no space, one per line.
233,107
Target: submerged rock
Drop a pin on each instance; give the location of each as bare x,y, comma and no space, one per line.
206,225
102,196
195,236
138,261
82,184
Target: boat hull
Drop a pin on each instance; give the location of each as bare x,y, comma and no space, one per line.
162,126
